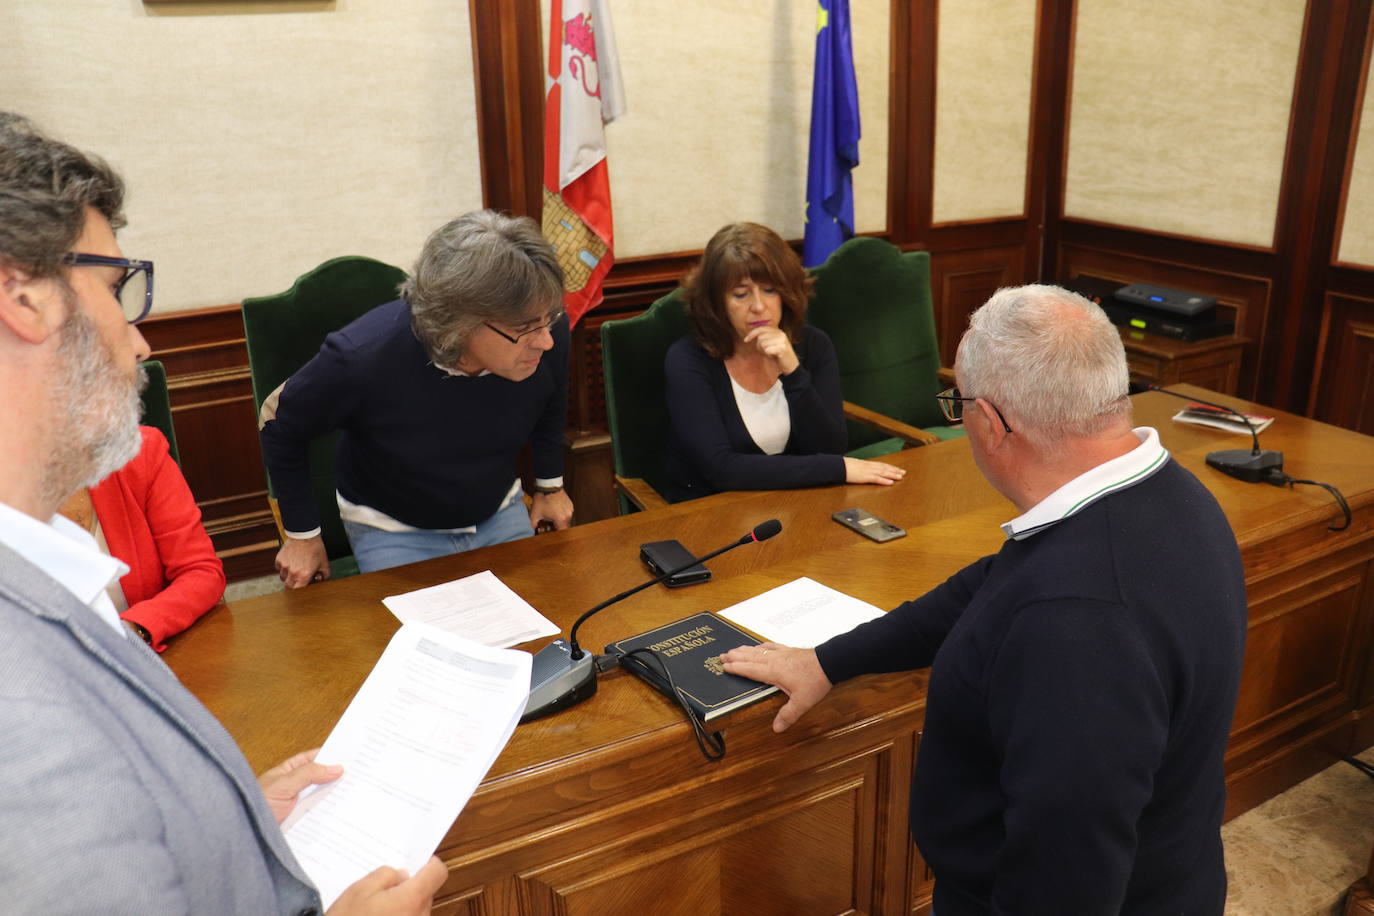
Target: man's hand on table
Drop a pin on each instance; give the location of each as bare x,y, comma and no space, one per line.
555,508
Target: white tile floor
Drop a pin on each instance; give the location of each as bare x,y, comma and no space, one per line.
1298,853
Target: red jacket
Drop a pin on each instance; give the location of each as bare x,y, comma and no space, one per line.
151,522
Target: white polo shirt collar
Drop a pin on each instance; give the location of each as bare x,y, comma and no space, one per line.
1087,488
67,553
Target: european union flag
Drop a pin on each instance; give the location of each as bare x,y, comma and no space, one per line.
834,136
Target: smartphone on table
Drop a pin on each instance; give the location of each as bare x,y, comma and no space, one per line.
868,524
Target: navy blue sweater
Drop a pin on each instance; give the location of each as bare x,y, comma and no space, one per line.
426,448
709,447
1081,692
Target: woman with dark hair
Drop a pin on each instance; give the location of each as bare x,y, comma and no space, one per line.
753,391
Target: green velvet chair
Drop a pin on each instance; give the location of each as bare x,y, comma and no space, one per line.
157,406
632,352
873,300
284,331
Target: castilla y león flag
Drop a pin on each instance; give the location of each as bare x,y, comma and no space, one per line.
584,94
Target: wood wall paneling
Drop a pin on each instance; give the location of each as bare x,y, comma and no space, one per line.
211,391
1325,100
1344,389
509,71
963,280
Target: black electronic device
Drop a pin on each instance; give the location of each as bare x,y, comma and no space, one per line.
1165,299
661,556
1144,320
868,524
563,674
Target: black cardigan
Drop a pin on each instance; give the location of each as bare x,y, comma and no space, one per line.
709,448
1081,694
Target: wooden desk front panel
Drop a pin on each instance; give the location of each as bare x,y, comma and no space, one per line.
815,824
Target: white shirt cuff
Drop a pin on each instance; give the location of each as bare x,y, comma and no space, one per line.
303,535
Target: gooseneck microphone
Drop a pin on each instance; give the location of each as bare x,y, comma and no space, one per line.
563,674
1251,466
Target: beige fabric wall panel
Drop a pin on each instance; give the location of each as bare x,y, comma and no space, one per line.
1357,230
258,139
719,101
1179,114
982,108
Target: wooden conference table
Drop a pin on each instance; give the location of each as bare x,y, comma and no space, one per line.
610,808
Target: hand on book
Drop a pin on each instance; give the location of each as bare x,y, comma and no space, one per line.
795,671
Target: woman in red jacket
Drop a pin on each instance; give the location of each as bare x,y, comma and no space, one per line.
144,514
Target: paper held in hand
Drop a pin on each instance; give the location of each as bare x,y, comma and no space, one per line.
415,742
479,607
803,613
1205,415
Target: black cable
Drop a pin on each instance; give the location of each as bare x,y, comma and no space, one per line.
1280,479
712,744
1360,765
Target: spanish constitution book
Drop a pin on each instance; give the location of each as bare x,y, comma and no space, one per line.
690,649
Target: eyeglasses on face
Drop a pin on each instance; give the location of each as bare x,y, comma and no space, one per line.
544,325
134,289
952,405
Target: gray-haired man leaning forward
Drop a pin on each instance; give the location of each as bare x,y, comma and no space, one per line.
1083,678
434,395
119,793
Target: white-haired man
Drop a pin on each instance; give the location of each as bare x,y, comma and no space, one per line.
119,792
1083,678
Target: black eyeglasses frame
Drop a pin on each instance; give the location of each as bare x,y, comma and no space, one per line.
951,404
553,318
130,266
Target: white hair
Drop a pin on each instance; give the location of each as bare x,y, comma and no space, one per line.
1049,359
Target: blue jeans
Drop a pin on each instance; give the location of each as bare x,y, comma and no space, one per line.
376,549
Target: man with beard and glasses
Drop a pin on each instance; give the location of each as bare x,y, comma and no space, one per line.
119,792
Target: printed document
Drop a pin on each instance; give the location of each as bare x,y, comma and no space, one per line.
479,607
415,742
802,613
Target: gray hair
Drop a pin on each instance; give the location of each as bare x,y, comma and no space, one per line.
482,266
45,187
1047,358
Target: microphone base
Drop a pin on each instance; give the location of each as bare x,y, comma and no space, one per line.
558,681
1245,464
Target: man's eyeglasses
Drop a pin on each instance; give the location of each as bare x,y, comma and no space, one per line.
546,325
134,290
952,405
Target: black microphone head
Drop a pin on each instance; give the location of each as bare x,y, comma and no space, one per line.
765,530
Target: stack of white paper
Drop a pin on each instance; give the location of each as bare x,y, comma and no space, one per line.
802,613
480,607
415,742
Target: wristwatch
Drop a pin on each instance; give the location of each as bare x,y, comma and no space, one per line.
547,490
140,629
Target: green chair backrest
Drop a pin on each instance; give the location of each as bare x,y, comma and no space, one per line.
632,351
157,405
874,302
285,330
